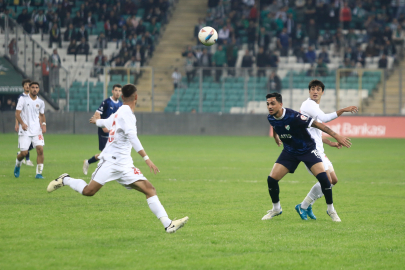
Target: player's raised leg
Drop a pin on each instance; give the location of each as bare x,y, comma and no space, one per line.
40,161
276,174
78,185
156,207
319,171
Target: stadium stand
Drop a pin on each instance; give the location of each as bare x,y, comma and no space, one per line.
302,40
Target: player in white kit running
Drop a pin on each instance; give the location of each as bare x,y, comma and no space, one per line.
32,124
116,163
310,107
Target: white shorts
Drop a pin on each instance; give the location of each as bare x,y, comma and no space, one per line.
24,141
125,175
326,163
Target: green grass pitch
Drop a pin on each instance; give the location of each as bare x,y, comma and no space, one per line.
220,183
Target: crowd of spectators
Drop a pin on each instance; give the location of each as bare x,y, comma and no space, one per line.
134,24
312,30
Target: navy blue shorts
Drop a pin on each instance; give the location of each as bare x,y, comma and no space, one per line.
291,161
102,141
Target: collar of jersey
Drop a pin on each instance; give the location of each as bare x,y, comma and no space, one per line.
281,116
114,100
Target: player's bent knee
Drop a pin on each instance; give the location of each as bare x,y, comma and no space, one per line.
24,153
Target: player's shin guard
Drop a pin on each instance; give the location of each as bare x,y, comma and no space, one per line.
326,187
274,189
157,208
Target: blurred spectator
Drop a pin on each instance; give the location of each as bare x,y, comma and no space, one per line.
139,54
398,36
219,60
262,61
107,29
134,65
334,10
351,38
205,62
40,21
348,54
13,51
116,34
176,76
274,83
83,48
231,56
191,63
263,40
310,55
290,24
45,68
383,63
187,51
101,41
359,15
55,36
274,60
70,33
346,16
313,33
82,33
298,35
359,56
324,55
299,52
197,29
283,42
90,22
140,29
9,105
371,49
389,49
223,34
67,20
55,65
309,10
72,47
326,39
321,69
99,59
247,61
78,20
24,17
251,36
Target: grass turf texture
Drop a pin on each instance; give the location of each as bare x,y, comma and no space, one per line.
220,183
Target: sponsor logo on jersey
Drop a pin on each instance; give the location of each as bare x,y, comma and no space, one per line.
316,153
285,136
303,117
287,127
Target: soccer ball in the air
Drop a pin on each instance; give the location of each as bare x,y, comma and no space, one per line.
208,36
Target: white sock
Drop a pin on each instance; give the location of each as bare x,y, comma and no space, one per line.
157,208
40,168
276,206
17,162
76,184
331,209
315,193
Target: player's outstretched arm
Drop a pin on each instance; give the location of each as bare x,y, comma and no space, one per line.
352,109
277,138
149,162
340,139
94,118
331,144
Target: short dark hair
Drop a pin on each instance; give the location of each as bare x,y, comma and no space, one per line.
316,83
34,83
276,95
116,85
128,90
25,81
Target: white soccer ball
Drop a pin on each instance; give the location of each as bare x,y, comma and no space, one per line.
208,36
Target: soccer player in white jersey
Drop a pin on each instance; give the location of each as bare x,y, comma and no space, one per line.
26,86
30,113
116,162
310,107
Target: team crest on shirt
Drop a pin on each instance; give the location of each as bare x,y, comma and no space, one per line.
303,117
37,106
287,127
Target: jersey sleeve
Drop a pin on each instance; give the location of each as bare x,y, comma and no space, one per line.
132,133
107,123
42,108
316,113
102,108
20,104
301,120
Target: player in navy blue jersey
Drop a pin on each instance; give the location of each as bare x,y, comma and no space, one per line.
292,130
26,86
107,108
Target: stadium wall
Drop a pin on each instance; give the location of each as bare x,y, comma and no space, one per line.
213,124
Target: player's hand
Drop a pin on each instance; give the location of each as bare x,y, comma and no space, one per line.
335,144
105,130
24,127
344,141
94,118
16,128
152,166
352,109
279,142
43,128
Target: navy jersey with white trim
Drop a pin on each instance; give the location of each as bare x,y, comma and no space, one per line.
107,108
292,128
